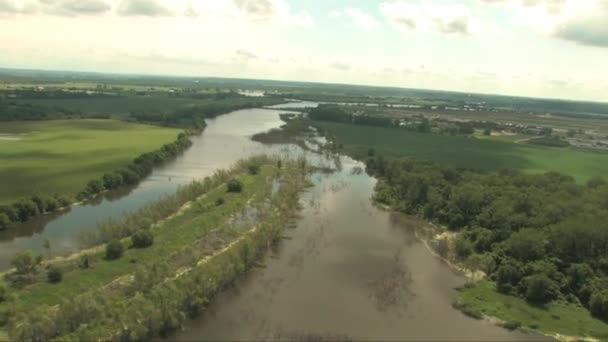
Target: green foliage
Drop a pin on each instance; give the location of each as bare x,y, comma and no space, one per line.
142,238
253,169
549,140
54,274
3,292
114,250
598,304
464,247
4,221
235,185
540,289
220,201
24,262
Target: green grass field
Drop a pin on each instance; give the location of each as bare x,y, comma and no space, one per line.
555,318
468,152
49,157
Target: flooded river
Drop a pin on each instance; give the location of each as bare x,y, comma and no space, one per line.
346,270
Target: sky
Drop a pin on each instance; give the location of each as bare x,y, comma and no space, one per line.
537,48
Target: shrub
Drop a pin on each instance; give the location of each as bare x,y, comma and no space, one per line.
24,262
54,274
3,293
598,304
540,289
142,238
114,250
220,201
511,325
4,221
235,186
253,169
464,247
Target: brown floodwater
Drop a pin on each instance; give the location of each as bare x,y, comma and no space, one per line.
346,271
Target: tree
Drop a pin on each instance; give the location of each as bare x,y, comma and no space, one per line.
235,185
507,276
526,245
487,131
142,238
424,126
25,262
3,293
598,304
114,250
540,289
47,245
4,221
463,246
54,274
253,169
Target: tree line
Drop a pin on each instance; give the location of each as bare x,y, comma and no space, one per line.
27,208
542,237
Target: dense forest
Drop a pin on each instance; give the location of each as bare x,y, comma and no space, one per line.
12,111
541,237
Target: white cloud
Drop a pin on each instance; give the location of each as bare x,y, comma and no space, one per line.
274,11
358,18
447,19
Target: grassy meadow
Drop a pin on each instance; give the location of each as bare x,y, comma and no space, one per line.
61,156
554,318
467,152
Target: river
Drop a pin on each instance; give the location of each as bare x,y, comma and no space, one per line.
345,270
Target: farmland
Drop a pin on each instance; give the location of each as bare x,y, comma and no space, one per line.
466,152
62,156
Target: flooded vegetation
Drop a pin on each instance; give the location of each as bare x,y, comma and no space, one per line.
346,271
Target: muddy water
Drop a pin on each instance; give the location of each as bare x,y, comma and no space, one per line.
346,271
225,140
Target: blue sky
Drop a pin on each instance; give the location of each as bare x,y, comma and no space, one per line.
545,48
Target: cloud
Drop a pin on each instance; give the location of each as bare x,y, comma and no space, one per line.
16,7
447,19
74,7
590,29
246,55
359,18
340,66
273,10
148,8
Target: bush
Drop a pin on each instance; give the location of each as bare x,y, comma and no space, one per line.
511,325
540,289
24,262
220,201
54,274
142,238
253,169
598,304
464,247
4,221
114,250
3,293
235,186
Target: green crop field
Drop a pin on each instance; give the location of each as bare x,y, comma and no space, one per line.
61,156
468,152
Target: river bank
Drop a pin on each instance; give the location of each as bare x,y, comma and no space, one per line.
219,235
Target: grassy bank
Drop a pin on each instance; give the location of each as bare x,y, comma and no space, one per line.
209,242
466,152
49,157
556,318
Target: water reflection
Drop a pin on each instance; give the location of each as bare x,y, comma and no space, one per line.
224,141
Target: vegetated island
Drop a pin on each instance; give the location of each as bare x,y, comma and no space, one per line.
142,276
